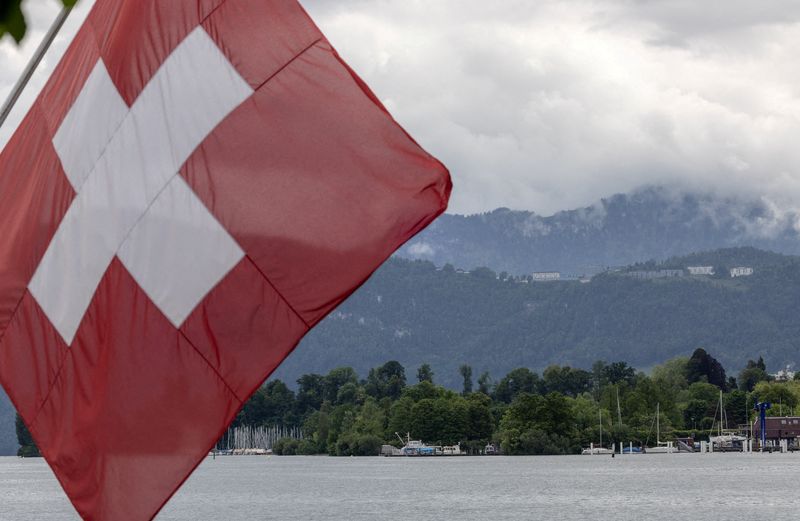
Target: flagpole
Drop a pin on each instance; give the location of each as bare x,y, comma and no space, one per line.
33,63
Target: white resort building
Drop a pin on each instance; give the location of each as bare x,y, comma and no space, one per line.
700,270
544,276
741,271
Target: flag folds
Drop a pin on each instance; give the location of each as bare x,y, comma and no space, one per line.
199,183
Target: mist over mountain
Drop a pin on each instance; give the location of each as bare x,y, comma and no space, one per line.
654,223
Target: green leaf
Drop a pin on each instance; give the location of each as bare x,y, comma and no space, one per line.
12,21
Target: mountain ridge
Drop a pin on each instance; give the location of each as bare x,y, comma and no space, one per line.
652,223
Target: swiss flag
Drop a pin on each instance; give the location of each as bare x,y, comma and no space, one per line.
199,183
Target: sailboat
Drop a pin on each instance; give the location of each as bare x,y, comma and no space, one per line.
599,450
662,447
725,440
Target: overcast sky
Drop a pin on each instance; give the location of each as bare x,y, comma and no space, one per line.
549,105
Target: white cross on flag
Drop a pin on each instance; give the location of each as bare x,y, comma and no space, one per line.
199,184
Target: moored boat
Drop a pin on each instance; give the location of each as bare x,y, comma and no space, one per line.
491,449
662,447
419,448
597,451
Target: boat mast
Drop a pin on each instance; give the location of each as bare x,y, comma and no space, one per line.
747,414
658,424
601,428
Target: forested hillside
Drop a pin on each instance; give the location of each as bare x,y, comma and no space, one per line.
415,313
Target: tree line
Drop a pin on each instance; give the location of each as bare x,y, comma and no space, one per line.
558,411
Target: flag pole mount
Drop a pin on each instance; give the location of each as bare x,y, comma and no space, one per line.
33,63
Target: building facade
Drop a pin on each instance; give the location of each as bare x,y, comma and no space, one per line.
741,271
701,270
784,375
655,274
545,276
778,428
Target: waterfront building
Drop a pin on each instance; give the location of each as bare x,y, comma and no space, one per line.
778,428
784,375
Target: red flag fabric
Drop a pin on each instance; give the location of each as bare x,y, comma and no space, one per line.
199,183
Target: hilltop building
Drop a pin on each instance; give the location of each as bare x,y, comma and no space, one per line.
701,270
545,276
741,271
655,274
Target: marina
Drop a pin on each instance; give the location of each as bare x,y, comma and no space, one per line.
782,434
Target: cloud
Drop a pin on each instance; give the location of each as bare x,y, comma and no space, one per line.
550,105
682,22
421,249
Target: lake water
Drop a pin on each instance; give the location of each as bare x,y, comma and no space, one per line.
706,487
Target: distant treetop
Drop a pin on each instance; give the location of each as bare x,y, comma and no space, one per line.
12,18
